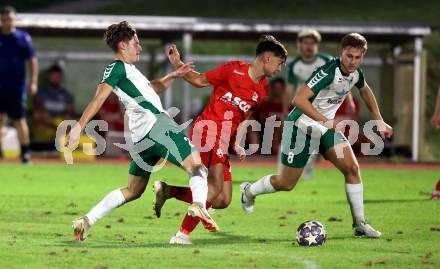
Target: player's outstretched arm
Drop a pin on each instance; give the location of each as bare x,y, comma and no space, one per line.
102,92
367,95
163,83
302,102
33,67
193,77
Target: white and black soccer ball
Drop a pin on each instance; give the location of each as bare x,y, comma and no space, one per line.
311,233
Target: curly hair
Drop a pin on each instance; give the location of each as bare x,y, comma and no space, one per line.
118,32
269,43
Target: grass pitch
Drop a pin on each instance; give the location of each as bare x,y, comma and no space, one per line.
39,202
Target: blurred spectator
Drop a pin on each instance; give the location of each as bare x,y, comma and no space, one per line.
15,51
274,105
52,105
435,121
309,58
300,69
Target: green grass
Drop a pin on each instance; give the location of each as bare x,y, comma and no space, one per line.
38,203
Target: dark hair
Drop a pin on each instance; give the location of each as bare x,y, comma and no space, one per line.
354,40
269,43
55,68
278,80
118,32
7,9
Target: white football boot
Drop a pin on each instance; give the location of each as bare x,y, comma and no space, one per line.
180,239
364,229
247,200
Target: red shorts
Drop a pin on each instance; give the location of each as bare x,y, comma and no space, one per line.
212,151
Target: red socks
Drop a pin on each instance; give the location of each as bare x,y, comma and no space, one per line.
184,194
189,223
181,193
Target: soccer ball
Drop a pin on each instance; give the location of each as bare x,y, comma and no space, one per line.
311,233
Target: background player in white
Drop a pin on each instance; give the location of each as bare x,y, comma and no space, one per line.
149,126
315,107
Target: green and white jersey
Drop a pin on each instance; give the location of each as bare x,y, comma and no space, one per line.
330,87
134,90
298,71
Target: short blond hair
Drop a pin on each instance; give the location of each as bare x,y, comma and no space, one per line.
354,40
312,33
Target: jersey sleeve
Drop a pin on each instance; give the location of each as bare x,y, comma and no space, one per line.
29,49
291,77
361,81
114,73
219,74
320,79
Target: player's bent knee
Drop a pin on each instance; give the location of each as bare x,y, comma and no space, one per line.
287,187
352,170
227,201
216,184
133,196
222,203
191,161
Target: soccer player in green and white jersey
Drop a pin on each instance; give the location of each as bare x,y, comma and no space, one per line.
310,127
308,60
153,134
301,68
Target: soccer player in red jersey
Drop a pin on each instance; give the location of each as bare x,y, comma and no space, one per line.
238,88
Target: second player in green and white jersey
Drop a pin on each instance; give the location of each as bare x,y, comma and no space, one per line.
330,87
316,104
300,70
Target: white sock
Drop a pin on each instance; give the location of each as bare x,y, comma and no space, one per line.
355,196
199,189
262,186
110,202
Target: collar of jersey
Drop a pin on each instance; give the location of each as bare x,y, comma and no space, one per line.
339,65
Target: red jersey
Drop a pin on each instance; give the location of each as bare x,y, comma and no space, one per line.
235,94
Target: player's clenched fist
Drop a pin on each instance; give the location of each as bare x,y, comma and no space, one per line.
385,130
173,55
